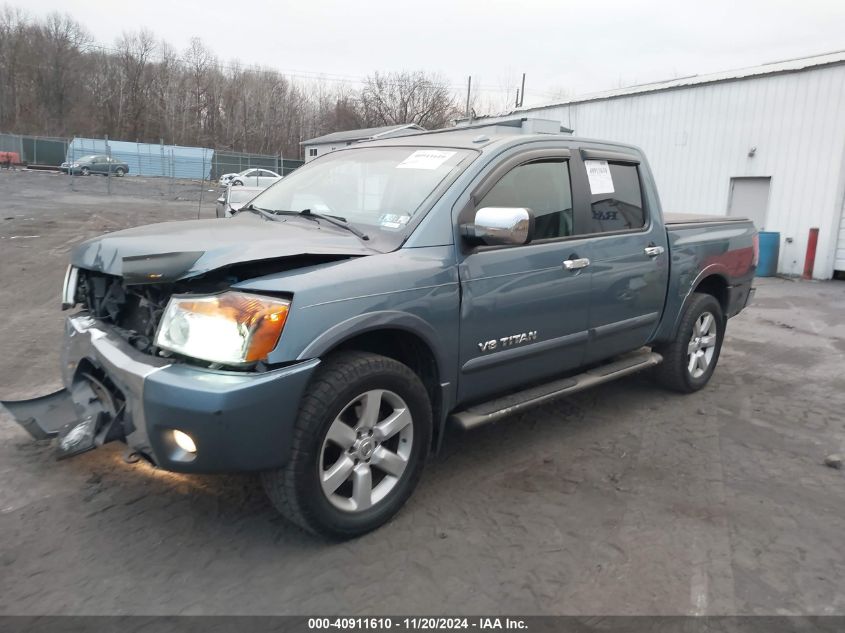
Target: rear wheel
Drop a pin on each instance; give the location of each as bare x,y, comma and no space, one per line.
690,360
360,441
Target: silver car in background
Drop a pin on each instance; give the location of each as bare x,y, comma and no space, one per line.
233,198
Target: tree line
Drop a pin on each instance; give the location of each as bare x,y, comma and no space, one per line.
55,80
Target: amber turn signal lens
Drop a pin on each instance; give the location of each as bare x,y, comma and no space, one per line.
267,327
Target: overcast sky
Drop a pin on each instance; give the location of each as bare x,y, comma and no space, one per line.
572,47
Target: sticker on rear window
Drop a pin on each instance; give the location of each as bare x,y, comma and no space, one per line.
598,171
425,159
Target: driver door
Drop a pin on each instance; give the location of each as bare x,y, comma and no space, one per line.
524,314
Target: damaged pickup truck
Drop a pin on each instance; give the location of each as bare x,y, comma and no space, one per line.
327,335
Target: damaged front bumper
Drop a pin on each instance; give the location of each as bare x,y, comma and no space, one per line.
238,421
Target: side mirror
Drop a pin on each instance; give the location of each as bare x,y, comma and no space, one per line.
500,226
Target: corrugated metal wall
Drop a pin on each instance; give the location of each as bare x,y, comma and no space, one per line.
698,138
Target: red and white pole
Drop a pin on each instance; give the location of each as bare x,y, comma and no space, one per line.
810,257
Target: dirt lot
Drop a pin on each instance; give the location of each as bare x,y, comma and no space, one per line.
622,500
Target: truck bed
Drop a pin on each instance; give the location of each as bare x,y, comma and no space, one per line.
670,219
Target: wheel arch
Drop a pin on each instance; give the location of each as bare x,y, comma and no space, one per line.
715,284
403,337
713,280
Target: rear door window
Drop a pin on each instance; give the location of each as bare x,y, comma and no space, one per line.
622,208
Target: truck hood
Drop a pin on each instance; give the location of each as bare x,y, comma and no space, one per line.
170,251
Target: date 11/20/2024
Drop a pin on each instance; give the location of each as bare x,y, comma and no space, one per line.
417,623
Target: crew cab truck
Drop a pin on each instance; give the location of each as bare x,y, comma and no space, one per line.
327,335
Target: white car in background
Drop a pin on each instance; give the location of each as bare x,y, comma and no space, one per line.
252,177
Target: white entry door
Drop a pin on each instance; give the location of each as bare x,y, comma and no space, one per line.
750,199
839,258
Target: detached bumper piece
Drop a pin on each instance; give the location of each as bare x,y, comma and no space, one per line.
77,418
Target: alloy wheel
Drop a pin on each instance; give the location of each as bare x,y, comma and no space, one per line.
366,450
702,345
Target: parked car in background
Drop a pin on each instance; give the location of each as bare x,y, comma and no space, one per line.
249,177
234,198
256,178
96,164
226,179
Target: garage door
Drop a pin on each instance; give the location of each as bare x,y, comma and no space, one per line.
839,263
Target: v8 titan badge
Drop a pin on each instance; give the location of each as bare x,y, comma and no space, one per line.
508,341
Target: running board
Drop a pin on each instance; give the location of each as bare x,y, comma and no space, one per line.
516,402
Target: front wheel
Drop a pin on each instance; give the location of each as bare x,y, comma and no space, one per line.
359,445
690,360
237,183
119,172
85,171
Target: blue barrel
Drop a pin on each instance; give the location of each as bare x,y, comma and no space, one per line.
767,265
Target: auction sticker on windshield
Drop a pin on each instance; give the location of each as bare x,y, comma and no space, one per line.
392,221
425,159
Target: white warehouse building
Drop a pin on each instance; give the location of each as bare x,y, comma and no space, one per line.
766,142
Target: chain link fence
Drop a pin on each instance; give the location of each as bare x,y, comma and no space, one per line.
135,169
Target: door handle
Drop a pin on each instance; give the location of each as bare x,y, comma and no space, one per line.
654,251
576,264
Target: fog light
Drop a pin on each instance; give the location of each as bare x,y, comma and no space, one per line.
184,441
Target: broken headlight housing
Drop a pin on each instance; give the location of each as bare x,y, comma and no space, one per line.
232,328
69,287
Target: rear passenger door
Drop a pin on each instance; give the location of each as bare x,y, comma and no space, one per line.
523,312
629,263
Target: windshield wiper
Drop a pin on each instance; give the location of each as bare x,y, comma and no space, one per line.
337,221
267,214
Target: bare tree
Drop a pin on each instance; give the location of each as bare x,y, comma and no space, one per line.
55,81
407,97
134,54
60,41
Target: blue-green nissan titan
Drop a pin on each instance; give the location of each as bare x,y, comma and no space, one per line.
326,334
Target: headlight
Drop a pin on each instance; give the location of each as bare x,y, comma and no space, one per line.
231,328
75,165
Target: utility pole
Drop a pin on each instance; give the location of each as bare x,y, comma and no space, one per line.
469,90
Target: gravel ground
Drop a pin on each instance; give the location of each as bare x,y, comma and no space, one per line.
622,500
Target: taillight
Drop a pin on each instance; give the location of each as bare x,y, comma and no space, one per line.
755,242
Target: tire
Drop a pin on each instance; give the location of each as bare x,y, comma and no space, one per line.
678,371
237,183
119,172
336,400
85,171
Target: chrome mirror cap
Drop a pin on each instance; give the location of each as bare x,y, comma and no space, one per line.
499,226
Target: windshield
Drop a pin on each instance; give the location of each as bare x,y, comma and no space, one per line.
237,194
380,189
